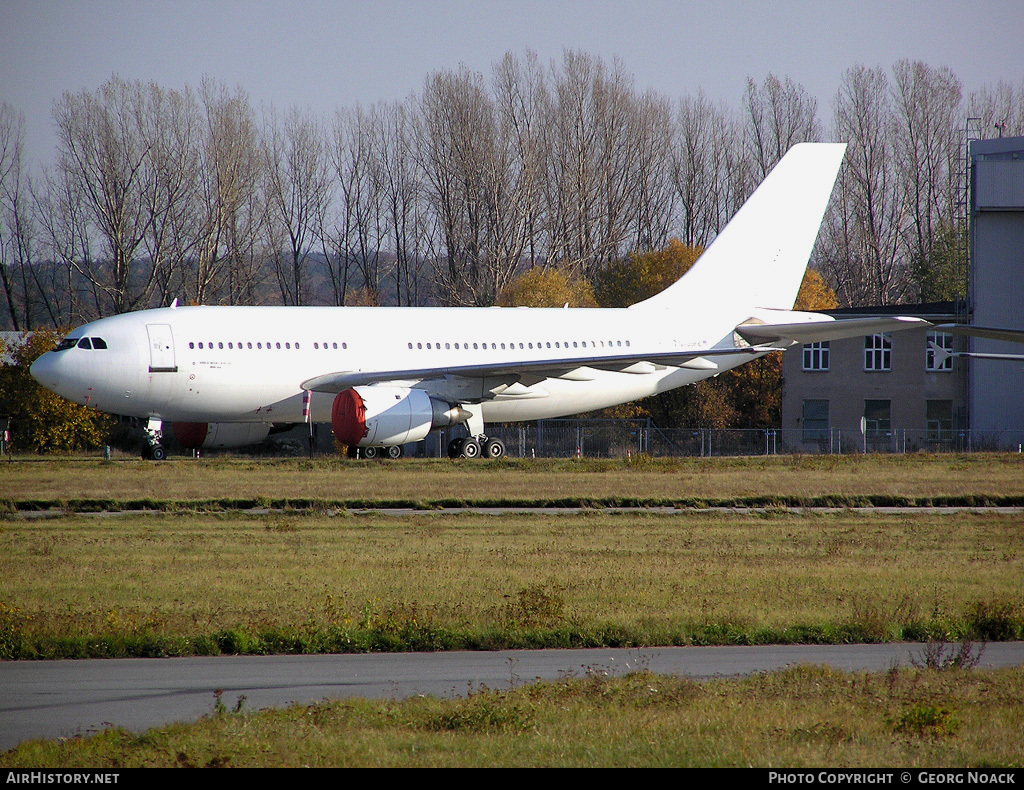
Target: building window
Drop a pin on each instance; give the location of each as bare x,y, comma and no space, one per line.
816,355
878,352
936,362
939,419
877,418
815,420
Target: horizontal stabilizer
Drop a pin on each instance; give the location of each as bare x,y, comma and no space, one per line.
827,328
941,355
988,332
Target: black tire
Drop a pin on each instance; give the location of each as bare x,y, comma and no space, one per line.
455,448
370,453
470,449
395,451
494,448
352,451
157,452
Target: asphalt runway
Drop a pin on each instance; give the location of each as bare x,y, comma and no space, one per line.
64,699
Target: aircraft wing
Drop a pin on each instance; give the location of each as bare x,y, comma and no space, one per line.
762,337
533,371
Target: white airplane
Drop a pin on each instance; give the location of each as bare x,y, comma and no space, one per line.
387,376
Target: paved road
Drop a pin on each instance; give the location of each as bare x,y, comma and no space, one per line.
54,699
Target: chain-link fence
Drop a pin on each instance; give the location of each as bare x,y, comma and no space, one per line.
614,438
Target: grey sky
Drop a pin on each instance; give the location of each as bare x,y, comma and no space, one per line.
325,55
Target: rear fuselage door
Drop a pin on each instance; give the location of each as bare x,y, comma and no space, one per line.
161,349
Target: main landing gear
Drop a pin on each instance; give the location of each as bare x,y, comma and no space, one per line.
476,447
393,451
477,444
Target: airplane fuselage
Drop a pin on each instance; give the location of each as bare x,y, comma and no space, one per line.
244,364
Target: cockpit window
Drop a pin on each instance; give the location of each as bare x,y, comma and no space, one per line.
66,343
84,343
99,342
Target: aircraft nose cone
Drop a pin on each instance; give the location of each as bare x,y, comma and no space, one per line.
44,370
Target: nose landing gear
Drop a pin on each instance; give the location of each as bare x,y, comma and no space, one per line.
153,437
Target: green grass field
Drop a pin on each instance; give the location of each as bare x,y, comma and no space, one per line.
197,575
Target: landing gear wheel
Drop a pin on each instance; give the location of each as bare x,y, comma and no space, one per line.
352,451
370,453
395,451
494,448
154,452
470,449
455,448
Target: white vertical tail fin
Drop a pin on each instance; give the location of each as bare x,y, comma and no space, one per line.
759,258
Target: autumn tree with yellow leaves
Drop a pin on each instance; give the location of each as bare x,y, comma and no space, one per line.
43,421
547,287
641,276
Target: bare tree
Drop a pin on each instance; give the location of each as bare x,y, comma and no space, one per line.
862,252
780,114
472,187
16,221
63,216
928,110
593,143
359,235
102,148
521,95
655,198
229,209
298,190
450,193
1000,109
405,209
170,129
699,166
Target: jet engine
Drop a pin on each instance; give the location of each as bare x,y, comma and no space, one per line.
369,416
219,435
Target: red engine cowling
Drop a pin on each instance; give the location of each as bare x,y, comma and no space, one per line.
367,416
219,435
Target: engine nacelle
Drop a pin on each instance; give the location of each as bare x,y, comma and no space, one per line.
369,416
219,435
